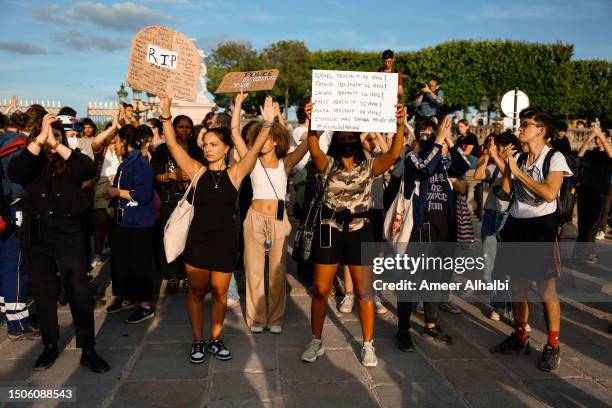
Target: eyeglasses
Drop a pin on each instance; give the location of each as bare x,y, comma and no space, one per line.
525,123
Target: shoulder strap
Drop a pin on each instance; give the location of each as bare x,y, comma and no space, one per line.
194,184
547,159
268,176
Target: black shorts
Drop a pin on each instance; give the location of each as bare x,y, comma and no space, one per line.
530,248
345,247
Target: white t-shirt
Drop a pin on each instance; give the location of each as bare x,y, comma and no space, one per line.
493,203
110,164
526,204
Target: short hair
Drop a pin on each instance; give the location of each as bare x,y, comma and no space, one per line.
387,54
68,111
465,122
18,120
424,124
156,123
223,119
279,134
301,113
128,105
544,119
562,126
435,78
35,114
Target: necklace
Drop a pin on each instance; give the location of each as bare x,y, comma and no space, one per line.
215,181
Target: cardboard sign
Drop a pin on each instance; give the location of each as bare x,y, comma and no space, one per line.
354,101
164,62
248,81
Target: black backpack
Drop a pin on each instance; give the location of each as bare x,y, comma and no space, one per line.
568,192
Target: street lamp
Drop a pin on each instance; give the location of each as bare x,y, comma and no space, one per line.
122,94
484,109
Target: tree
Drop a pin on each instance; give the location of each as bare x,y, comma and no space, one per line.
292,59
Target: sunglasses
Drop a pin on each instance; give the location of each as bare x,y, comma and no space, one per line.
526,123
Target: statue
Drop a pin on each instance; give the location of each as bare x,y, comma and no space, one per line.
202,97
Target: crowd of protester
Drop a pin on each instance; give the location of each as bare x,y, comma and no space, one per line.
73,194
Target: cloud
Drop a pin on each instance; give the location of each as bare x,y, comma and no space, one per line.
48,14
22,48
118,17
209,43
84,42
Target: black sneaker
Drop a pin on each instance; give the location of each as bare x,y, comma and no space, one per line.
29,333
551,358
512,345
198,352
47,358
140,315
217,348
119,305
437,334
172,286
404,341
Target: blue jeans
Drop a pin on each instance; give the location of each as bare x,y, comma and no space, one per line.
232,291
492,224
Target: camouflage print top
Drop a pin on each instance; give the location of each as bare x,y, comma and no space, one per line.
349,190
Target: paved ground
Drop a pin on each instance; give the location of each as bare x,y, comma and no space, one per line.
150,362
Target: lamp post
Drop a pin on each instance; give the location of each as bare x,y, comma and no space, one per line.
122,94
484,109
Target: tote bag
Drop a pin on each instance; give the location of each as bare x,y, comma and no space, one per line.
399,221
177,227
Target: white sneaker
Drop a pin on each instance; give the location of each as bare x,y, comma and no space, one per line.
256,329
276,329
419,308
96,261
347,303
232,304
380,308
600,236
368,355
494,316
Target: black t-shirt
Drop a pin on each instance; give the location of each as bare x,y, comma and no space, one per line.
162,163
562,145
597,167
469,140
438,207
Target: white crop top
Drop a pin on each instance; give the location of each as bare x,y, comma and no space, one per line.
262,188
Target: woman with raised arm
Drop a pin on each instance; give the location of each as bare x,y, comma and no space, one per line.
211,247
266,227
345,225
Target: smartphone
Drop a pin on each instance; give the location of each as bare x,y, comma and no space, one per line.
325,234
280,210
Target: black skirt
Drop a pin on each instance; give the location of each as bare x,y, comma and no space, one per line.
132,263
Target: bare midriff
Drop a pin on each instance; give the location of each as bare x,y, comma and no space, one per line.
267,207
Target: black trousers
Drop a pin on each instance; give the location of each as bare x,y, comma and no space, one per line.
590,203
132,263
49,242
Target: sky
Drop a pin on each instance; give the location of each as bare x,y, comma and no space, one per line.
78,51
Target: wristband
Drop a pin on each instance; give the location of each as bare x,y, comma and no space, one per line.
37,142
165,119
267,125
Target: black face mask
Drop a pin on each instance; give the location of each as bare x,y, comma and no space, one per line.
346,150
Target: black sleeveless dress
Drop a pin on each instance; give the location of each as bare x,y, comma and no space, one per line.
212,242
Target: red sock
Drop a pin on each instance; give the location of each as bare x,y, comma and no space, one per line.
553,338
520,328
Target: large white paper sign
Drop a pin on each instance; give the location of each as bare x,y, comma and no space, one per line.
354,101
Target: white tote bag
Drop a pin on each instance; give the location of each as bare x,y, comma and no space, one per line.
399,220
177,227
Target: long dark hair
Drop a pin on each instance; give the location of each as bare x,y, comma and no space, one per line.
57,165
359,154
225,135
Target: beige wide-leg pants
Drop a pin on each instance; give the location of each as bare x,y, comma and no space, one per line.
258,228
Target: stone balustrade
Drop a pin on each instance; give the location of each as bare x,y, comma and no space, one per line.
23,105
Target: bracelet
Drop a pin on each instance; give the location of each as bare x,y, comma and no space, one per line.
268,126
37,142
165,119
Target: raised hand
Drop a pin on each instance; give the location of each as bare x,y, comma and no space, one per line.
400,114
267,111
240,98
164,104
277,111
308,110
13,102
444,130
492,147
